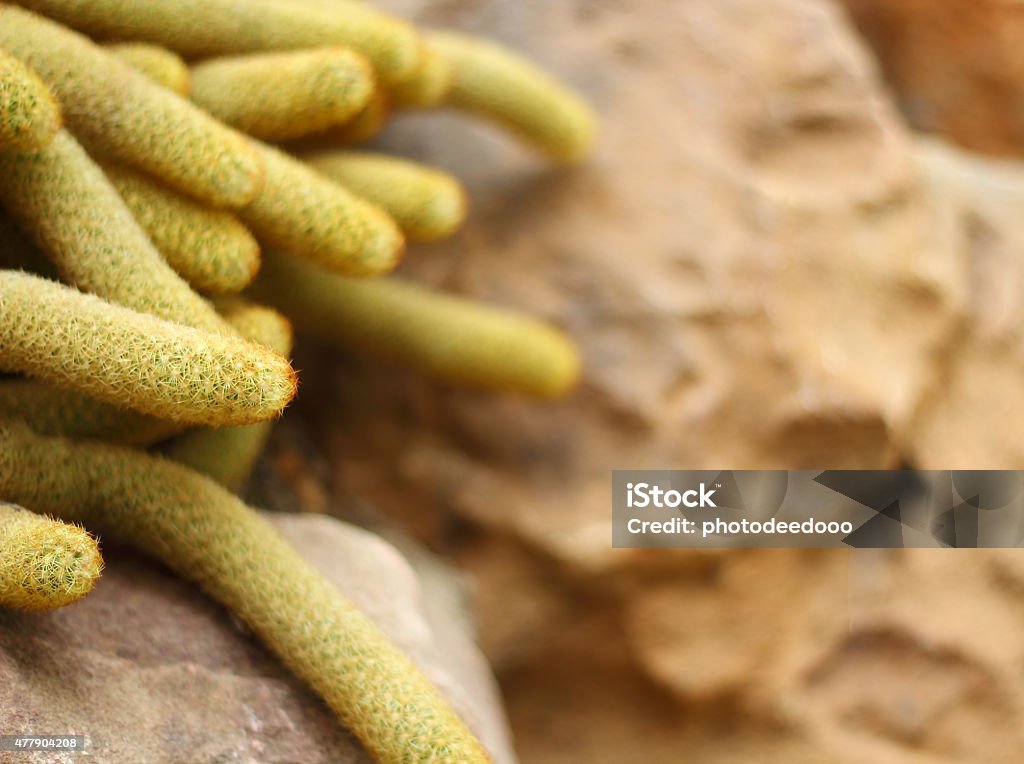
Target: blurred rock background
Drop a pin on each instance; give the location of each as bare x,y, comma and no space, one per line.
787,252
767,264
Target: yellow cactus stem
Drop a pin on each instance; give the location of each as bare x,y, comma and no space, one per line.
364,126
57,334
281,96
228,454
209,248
450,337
499,85
115,111
258,323
18,252
305,214
65,201
209,536
51,410
29,115
159,64
427,204
207,28
44,563
428,86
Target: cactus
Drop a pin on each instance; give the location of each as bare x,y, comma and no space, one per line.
428,85
63,198
452,338
18,251
207,535
280,96
364,126
206,28
309,216
29,116
427,204
51,410
114,110
209,248
228,454
134,359
501,86
158,64
44,563
145,185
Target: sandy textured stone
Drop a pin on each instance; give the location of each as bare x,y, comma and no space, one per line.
746,263
763,269
956,66
151,671
969,418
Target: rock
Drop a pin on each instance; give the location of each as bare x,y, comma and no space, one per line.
763,269
746,263
152,671
968,417
956,66
419,604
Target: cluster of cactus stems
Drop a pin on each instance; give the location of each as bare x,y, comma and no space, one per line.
144,206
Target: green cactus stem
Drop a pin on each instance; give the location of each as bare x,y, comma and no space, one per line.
257,323
51,410
427,204
29,115
57,334
209,248
428,86
281,96
113,110
75,214
310,216
44,564
228,454
364,126
499,85
18,252
207,28
452,338
159,64
209,536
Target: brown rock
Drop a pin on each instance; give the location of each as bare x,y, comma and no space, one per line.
742,262
151,671
968,419
956,66
759,274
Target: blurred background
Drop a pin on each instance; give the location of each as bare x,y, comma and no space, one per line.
798,245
